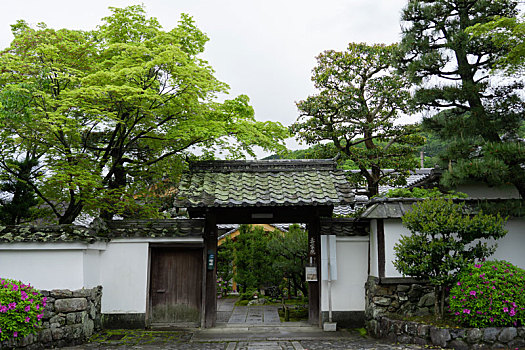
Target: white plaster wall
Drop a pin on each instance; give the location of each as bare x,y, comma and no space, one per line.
481,190
124,276
512,246
348,292
91,268
374,262
44,269
393,231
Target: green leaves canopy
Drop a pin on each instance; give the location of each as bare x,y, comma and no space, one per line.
360,98
112,112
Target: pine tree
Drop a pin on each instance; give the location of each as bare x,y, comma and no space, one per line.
360,98
478,114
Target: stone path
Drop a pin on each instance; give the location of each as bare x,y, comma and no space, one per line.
255,315
167,342
242,328
228,313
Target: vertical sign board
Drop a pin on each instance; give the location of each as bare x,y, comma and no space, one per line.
328,255
311,269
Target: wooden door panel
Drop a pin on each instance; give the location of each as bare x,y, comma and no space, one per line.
176,285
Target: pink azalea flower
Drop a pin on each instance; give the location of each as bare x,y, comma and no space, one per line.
505,309
27,308
15,334
466,311
28,319
472,292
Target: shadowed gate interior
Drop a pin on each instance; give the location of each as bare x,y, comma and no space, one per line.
244,192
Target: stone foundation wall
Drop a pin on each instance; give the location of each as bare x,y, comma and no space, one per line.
70,318
404,298
406,332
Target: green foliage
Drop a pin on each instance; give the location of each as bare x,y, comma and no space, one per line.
21,309
507,207
467,106
21,206
444,239
509,34
360,98
423,193
249,294
253,259
110,113
290,252
489,294
258,259
225,261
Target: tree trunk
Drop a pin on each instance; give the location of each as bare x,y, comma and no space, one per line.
71,213
436,301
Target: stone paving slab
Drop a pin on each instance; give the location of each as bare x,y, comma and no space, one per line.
253,315
148,340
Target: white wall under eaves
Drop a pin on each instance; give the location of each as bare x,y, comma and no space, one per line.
348,291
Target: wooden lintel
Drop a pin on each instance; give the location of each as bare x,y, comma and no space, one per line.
261,215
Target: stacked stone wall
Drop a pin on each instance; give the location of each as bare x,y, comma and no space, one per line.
386,302
70,318
405,299
406,332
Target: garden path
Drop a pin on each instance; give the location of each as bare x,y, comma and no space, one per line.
253,315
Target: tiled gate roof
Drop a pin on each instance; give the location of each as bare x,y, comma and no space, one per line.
263,183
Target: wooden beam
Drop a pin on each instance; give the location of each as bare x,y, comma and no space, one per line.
381,247
210,247
263,215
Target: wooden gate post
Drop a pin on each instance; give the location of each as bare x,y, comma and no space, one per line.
210,295
314,288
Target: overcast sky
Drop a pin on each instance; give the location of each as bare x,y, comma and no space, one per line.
262,48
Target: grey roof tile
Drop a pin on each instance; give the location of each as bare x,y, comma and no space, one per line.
263,183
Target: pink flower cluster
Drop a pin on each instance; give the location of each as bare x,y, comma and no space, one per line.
19,299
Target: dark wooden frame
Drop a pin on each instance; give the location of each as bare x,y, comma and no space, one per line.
381,247
244,215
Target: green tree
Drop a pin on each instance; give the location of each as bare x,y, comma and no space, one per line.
479,116
507,33
291,255
444,239
225,266
360,98
19,206
253,259
116,110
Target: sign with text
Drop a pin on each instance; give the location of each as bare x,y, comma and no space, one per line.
311,274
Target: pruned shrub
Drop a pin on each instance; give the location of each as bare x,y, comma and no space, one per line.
21,309
489,294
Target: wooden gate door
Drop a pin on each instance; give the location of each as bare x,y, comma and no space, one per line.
176,285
